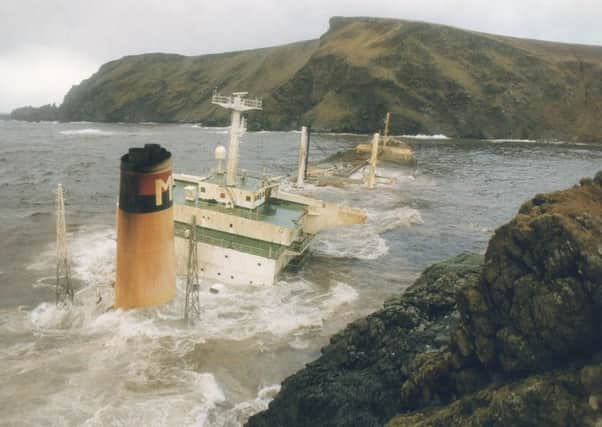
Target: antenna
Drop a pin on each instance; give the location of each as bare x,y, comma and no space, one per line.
64,288
237,103
192,309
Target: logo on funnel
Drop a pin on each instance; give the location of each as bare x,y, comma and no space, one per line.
160,187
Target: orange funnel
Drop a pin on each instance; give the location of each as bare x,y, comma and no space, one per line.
146,268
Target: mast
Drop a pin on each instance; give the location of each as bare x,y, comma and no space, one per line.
386,130
238,104
64,288
192,308
303,146
373,160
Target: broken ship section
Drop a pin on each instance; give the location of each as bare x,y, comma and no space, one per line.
239,244
247,229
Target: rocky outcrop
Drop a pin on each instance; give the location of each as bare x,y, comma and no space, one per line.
357,380
539,302
48,112
514,342
558,399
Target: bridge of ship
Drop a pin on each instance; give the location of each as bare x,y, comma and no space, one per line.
268,230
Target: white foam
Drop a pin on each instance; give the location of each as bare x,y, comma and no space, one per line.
87,132
512,140
422,136
341,134
220,130
135,366
394,218
93,253
49,317
242,312
241,412
363,241
351,242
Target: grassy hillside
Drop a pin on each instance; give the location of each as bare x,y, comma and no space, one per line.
438,79
433,78
160,87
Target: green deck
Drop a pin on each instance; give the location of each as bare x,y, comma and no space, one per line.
274,211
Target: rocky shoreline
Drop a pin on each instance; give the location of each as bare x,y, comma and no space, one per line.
509,339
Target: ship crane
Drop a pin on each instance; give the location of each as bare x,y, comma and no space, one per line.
64,288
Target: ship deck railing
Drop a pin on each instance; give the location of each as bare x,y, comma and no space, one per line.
250,103
232,241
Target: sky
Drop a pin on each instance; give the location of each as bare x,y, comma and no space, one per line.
46,46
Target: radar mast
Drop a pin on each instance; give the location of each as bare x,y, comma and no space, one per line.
237,103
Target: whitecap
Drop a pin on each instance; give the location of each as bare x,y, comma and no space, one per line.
241,412
511,140
363,241
87,132
422,136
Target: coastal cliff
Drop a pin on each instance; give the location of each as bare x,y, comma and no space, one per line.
511,339
434,79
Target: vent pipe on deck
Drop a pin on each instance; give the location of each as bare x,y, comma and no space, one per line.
373,160
303,155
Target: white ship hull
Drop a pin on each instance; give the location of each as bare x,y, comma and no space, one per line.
230,266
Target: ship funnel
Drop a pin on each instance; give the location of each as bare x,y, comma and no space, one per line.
145,263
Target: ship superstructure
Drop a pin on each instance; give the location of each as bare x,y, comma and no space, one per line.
247,228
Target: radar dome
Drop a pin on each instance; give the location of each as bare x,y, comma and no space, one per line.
220,152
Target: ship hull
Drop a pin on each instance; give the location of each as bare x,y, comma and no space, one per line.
230,266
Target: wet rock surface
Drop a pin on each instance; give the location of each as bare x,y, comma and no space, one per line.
511,341
539,301
358,378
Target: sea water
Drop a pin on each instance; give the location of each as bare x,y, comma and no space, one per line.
91,366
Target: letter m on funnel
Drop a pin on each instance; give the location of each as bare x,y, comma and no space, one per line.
160,187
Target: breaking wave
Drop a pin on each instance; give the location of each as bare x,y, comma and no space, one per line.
422,136
140,366
87,132
364,241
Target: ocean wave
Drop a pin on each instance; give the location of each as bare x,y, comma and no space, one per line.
87,132
240,413
364,241
422,136
340,133
236,312
512,140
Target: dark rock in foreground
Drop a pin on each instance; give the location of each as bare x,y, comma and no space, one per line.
514,342
358,378
539,302
556,399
